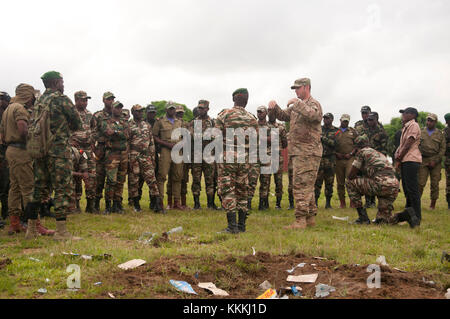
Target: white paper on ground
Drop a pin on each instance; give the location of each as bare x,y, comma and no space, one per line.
303,278
212,287
132,264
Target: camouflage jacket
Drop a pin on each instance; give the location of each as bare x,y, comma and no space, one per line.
360,126
377,138
329,142
236,118
305,119
119,140
84,137
372,163
447,145
79,160
141,138
282,134
206,124
97,121
63,121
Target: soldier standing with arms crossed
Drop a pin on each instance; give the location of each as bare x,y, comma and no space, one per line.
305,148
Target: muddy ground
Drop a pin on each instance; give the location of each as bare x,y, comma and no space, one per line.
241,277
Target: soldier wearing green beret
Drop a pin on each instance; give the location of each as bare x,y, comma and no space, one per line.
447,158
56,167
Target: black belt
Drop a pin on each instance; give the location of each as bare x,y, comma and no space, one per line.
18,145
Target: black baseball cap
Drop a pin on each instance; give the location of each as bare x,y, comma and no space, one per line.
410,110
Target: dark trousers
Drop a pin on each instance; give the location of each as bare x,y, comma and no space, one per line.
410,183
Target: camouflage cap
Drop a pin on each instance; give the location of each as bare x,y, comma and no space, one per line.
366,109
432,117
151,108
203,103
261,108
117,104
301,82
51,75
362,140
447,117
373,115
179,108
345,117
81,95
108,95
170,105
329,115
241,91
136,107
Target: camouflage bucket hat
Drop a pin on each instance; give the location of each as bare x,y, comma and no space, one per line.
362,140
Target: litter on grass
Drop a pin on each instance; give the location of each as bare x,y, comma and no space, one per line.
265,285
131,264
182,286
303,278
212,287
324,290
381,260
268,294
301,265
345,219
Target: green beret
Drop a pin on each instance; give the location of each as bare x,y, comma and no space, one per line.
447,116
51,75
240,91
362,140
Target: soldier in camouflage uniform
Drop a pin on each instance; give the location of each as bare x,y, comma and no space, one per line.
290,183
141,160
117,133
233,176
4,171
328,162
55,169
278,176
305,149
432,146
447,158
82,140
80,172
253,176
361,125
264,179
378,179
207,169
98,120
377,140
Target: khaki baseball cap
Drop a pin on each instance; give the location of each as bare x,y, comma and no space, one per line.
432,116
108,95
81,95
179,108
301,82
136,107
262,108
345,117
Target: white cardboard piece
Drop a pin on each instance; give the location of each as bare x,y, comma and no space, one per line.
303,278
212,287
131,264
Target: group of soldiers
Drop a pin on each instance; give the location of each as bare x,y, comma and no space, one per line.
101,149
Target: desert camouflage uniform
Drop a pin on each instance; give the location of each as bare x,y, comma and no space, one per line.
433,150
84,139
378,179
305,151
233,177
55,169
141,159
327,163
264,179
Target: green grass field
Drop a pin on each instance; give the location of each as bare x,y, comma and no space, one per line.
117,235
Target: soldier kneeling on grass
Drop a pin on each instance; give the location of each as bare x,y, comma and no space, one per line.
376,178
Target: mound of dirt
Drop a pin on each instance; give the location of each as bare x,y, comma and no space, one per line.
241,277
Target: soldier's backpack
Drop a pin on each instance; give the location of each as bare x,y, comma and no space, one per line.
40,137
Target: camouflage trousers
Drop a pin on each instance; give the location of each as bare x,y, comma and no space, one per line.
447,177
304,175
21,179
116,166
264,182
100,172
208,173
325,175
253,175
89,185
435,178
141,167
385,187
290,177
54,173
343,168
233,186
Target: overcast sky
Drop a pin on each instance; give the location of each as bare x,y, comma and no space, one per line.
386,54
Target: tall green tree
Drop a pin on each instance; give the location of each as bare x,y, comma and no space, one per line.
161,110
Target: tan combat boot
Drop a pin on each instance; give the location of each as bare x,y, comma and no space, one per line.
311,221
62,233
300,223
32,232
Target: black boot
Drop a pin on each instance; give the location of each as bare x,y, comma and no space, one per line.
197,202
108,209
232,226
159,207
5,208
278,206
249,203
152,202
119,208
363,218
266,203
44,210
291,201
261,204
89,207
242,217
97,205
137,205
211,204
328,204
448,201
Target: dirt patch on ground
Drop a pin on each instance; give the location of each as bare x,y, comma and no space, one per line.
241,277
